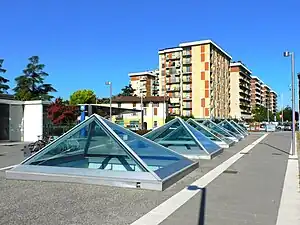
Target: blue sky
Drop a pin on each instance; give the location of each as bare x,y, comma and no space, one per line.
85,43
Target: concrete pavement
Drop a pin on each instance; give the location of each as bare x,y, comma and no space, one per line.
248,192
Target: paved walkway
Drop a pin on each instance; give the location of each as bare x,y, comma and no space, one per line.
248,192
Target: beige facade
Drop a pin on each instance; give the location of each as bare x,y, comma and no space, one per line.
196,77
240,91
256,92
155,111
265,96
273,101
145,83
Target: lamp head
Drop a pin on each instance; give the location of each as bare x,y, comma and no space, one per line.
107,83
286,54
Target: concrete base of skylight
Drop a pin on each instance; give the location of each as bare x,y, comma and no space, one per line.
124,179
203,156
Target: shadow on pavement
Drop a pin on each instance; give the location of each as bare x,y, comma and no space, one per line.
201,218
278,149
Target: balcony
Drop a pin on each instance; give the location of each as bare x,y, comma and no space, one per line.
187,106
187,88
173,89
187,79
187,98
186,72
187,61
187,53
174,105
173,80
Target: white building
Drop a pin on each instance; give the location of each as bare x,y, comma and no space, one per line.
21,120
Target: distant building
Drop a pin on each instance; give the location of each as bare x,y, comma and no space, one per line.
155,110
256,92
273,101
145,83
195,75
240,91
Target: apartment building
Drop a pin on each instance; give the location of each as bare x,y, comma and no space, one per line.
265,96
195,76
145,83
155,111
273,101
256,91
240,91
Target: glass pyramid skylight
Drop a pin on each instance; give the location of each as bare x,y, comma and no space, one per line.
219,139
184,139
227,125
214,127
98,151
239,128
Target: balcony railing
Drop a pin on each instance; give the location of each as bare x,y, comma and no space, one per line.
187,79
187,61
173,81
187,88
187,106
186,53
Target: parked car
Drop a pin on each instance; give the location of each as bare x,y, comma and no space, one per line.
280,126
287,127
133,127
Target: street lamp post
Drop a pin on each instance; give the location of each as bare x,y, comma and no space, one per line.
110,98
287,54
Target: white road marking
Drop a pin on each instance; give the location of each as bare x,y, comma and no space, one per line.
7,167
289,209
164,210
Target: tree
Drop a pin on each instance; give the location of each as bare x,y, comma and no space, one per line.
127,91
83,97
3,82
287,114
60,113
30,85
260,114
103,100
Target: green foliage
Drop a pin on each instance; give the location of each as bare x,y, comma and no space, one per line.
260,114
30,85
103,100
83,97
127,91
3,82
287,114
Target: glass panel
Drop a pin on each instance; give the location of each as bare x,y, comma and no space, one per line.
208,145
229,127
87,146
238,127
207,133
154,155
216,128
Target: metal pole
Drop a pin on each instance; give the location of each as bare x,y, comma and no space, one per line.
268,113
110,101
142,109
163,109
293,102
282,108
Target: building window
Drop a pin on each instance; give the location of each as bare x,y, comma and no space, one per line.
155,111
155,124
134,105
119,105
145,111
